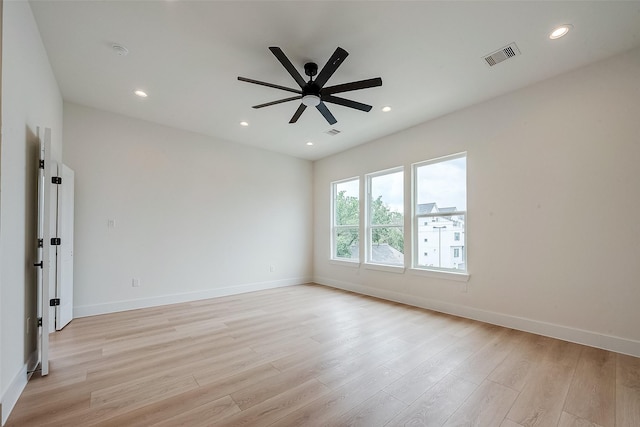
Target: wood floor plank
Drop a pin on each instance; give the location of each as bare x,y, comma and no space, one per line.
508,423
541,401
311,355
592,391
204,415
133,392
627,391
437,404
405,363
190,400
260,391
570,420
514,371
477,367
415,382
487,406
341,400
278,406
376,411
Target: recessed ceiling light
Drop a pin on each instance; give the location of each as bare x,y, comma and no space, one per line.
141,93
309,143
245,124
386,109
560,31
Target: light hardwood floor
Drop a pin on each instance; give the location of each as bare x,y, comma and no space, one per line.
310,356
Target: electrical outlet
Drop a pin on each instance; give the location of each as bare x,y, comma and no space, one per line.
111,223
135,282
272,268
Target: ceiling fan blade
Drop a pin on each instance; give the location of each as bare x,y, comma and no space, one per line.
298,113
257,82
346,87
347,103
326,113
278,53
331,66
280,101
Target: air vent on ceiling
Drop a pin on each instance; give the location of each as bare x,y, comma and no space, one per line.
502,54
333,132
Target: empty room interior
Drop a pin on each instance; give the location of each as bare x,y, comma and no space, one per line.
330,213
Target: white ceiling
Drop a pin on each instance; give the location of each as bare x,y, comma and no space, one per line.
188,54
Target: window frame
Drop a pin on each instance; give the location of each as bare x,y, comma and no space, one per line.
368,227
335,227
419,218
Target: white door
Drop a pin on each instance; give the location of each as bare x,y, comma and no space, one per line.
43,262
64,254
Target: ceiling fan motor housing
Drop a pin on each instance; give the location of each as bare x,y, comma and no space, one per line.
311,69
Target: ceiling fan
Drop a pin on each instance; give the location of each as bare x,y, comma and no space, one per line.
313,93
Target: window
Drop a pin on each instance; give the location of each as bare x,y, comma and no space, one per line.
346,220
385,217
440,213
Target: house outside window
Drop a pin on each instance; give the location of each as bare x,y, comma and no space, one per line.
440,213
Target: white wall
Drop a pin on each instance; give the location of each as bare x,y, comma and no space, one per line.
30,98
194,217
553,237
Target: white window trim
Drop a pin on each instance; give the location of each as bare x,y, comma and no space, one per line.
334,227
442,273
368,263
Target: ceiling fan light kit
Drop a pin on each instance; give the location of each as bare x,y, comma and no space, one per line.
311,100
313,93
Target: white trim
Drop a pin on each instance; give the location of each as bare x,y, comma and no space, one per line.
439,159
415,218
16,387
438,274
566,333
384,267
32,363
332,214
367,215
113,307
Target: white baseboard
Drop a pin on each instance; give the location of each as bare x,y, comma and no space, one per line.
579,336
17,385
113,307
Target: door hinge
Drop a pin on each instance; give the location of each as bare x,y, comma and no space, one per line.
41,164
54,302
56,180
55,241
40,243
39,321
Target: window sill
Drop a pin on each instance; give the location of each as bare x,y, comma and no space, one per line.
438,274
345,263
388,268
